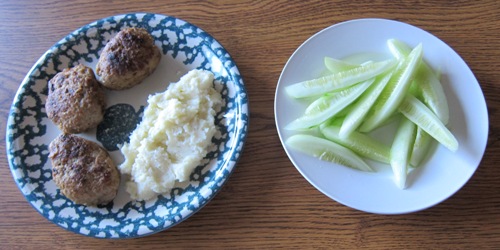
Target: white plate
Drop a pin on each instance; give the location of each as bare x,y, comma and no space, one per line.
29,131
442,173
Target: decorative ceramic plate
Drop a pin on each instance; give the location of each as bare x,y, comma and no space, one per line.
443,172
29,131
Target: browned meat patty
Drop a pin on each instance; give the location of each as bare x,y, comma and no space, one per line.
76,100
83,170
127,59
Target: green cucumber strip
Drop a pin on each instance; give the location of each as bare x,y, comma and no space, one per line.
342,113
327,150
401,150
395,91
415,89
334,121
335,65
338,81
338,118
359,143
361,107
399,49
432,93
321,102
431,90
327,106
421,147
421,115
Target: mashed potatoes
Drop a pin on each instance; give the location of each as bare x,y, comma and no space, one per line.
172,139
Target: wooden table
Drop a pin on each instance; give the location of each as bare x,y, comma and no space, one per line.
266,203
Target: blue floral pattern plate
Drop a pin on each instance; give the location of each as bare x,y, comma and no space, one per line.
29,131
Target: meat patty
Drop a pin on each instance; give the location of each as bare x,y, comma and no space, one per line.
83,171
76,100
127,59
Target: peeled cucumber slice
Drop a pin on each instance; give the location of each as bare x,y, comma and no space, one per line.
338,118
327,151
421,115
323,101
360,143
327,106
338,81
432,93
394,92
401,150
336,65
430,88
399,49
359,109
421,147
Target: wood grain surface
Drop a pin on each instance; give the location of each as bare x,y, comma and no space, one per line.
266,203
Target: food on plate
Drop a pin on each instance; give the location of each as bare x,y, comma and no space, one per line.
75,101
83,171
339,80
173,137
127,59
327,150
355,99
360,143
395,91
327,106
401,149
